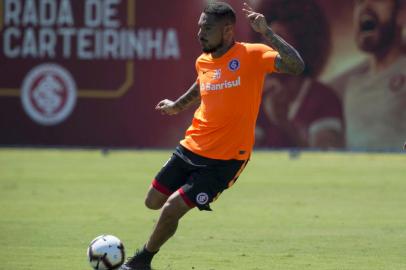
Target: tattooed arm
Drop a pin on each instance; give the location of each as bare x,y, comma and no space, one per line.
191,97
288,60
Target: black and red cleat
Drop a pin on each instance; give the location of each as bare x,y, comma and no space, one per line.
140,261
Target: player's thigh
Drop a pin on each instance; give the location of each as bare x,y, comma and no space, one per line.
169,179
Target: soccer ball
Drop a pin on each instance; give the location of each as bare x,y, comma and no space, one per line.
106,252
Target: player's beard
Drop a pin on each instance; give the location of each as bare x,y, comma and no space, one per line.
213,49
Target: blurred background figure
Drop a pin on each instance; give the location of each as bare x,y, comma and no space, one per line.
300,111
375,91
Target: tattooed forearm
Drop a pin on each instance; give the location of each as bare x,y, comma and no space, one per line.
192,96
289,60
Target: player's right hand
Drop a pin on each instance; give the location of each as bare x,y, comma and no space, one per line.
257,20
167,106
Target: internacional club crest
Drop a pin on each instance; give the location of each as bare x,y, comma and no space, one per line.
48,94
202,198
234,64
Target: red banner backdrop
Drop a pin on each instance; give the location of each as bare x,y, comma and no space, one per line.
90,72
122,56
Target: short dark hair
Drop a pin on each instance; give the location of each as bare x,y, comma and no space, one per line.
221,11
309,27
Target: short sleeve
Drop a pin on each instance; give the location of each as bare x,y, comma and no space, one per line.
268,60
265,56
327,109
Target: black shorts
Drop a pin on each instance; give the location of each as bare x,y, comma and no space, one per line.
199,180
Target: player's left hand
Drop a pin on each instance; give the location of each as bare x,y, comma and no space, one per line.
257,20
167,107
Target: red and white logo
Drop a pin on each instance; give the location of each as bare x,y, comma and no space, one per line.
48,94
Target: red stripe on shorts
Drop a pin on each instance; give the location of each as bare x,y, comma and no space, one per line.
185,198
161,188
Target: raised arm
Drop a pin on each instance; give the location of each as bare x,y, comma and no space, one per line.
288,60
191,97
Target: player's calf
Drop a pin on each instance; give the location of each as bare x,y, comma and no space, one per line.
166,226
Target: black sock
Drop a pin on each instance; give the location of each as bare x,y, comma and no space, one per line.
145,255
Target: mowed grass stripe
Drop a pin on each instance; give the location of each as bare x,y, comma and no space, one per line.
317,211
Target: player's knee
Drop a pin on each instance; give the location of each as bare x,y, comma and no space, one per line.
153,204
155,199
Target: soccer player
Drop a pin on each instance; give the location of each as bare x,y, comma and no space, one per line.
218,144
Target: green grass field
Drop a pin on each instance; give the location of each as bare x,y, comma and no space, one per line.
321,211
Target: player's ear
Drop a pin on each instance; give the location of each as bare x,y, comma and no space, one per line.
228,30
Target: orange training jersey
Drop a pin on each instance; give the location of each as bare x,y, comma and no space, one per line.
230,87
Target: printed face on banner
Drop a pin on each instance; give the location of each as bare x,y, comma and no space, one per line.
375,23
